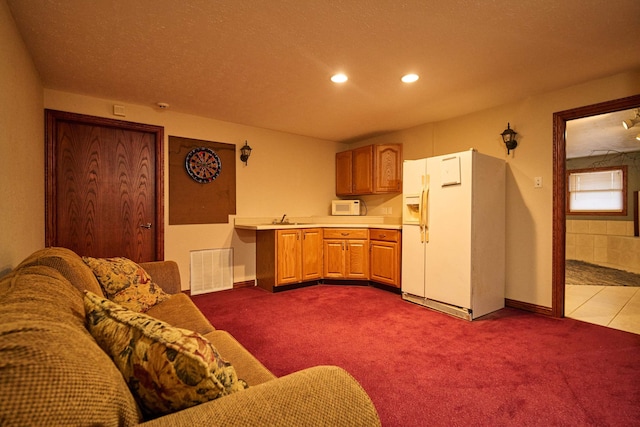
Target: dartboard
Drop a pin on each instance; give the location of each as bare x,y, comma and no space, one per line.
203,164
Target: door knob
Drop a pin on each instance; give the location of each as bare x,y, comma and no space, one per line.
147,225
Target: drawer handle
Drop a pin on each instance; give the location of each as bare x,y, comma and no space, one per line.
344,234
382,236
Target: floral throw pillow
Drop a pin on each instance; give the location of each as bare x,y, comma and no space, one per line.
126,283
166,368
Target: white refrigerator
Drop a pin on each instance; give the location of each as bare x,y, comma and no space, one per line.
453,233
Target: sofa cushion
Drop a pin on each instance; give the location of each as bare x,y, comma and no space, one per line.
164,273
52,371
126,283
181,312
167,368
247,366
69,264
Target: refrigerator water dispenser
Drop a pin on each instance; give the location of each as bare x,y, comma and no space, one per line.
411,213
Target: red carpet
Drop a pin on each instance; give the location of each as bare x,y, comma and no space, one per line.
423,368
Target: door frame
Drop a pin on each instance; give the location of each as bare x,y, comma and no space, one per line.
52,117
560,187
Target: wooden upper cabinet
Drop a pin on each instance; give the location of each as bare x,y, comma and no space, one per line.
387,168
344,172
363,170
372,169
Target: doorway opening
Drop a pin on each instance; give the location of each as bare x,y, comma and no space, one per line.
560,120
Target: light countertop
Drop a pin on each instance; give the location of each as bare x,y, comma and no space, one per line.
390,223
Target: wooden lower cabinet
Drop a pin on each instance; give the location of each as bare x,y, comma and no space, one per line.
385,246
288,256
346,253
311,254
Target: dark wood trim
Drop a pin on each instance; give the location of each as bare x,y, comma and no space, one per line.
559,187
51,119
245,284
636,215
528,307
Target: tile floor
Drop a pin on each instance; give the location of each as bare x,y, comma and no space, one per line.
617,307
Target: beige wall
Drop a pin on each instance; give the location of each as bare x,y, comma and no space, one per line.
21,149
292,174
529,210
285,174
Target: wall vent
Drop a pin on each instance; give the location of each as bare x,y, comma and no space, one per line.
211,270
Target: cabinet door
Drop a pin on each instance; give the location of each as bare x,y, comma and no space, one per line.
363,170
357,259
385,263
289,255
311,253
334,258
387,168
344,173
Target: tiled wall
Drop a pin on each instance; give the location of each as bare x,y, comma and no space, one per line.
607,243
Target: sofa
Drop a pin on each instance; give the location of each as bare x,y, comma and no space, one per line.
53,371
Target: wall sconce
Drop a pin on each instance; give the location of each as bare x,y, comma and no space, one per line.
509,138
245,152
629,123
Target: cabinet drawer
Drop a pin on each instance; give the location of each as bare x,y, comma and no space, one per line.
383,234
346,233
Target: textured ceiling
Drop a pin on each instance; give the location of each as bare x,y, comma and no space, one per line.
602,135
267,63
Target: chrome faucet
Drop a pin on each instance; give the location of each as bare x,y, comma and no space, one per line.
282,220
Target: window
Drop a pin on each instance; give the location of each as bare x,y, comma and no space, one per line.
598,191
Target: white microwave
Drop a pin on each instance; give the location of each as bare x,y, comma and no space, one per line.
345,207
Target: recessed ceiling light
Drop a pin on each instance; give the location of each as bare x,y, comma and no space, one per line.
339,78
410,78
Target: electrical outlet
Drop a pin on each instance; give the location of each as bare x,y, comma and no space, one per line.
537,182
118,110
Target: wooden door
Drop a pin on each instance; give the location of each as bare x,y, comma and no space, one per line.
344,173
357,259
387,168
104,185
289,256
363,170
311,253
333,259
384,262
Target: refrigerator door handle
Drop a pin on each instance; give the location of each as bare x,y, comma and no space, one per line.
424,211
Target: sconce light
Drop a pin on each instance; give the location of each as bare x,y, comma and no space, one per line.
509,138
245,152
629,123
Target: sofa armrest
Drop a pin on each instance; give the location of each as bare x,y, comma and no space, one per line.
165,274
318,396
